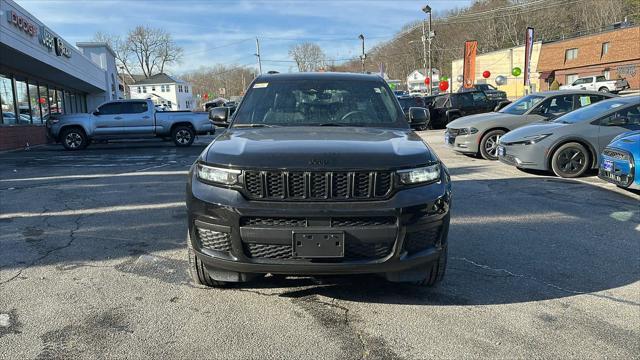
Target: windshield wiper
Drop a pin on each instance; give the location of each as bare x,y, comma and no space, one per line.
327,124
253,126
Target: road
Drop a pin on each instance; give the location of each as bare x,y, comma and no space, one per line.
93,265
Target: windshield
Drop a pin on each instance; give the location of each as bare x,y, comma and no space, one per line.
589,112
522,106
320,103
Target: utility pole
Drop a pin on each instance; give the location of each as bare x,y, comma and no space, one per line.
427,10
363,56
424,57
257,54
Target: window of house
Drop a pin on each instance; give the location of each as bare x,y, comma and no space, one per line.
571,54
144,89
153,88
179,88
162,88
139,90
570,78
186,88
605,48
169,103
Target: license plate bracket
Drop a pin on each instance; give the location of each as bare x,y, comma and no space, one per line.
318,244
607,166
501,151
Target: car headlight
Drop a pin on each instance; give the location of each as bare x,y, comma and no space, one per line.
218,175
467,131
530,140
419,175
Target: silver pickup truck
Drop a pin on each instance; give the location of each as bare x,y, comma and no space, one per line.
127,119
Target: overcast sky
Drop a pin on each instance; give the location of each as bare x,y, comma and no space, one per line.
224,31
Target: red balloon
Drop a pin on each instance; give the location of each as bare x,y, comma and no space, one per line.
427,81
444,85
42,100
486,74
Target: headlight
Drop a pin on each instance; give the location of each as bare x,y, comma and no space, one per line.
467,131
530,140
420,175
218,175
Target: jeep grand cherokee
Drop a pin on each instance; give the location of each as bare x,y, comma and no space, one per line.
317,174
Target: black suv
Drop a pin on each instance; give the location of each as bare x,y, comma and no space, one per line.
317,174
488,89
448,107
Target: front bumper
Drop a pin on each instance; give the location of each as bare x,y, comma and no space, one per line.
232,234
619,171
522,156
467,144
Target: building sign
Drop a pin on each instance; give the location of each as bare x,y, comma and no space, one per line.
469,67
54,43
22,23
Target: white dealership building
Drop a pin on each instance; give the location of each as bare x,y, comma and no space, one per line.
41,73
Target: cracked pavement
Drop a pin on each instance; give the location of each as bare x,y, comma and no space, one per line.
93,265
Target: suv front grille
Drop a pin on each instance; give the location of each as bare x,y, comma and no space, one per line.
273,222
283,185
616,154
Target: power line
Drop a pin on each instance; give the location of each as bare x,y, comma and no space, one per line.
219,47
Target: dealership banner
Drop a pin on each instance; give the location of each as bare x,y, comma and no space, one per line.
469,70
528,49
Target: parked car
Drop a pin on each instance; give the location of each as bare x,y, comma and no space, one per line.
214,103
597,83
570,144
491,91
10,118
127,119
479,134
448,107
408,102
620,161
317,173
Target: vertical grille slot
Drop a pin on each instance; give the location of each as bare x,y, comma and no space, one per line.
382,184
275,185
340,185
296,185
361,184
318,185
253,184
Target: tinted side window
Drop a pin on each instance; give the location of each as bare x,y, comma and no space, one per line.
627,117
110,109
557,105
601,78
584,100
461,100
135,107
479,98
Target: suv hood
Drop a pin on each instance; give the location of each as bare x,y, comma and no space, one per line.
326,148
473,120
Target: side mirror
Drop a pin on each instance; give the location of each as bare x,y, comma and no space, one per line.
96,112
418,115
501,105
219,116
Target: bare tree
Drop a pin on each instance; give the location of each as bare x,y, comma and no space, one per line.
145,49
209,80
308,56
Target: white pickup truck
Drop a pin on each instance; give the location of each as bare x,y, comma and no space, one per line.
125,119
597,83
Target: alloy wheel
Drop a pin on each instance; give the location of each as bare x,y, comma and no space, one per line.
73,140
183,136
571,161
491,145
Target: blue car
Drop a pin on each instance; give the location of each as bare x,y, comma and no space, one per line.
620,161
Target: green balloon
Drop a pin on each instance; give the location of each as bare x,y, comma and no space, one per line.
516,71
392,86
444,78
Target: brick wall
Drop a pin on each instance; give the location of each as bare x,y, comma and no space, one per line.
16,137
624,50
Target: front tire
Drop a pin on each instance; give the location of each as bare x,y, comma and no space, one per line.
489,144
198,271
183,136
74,139
604,90
570,160
436,271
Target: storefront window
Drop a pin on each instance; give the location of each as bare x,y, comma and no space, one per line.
84,103
44,102
6,101
72,100
22,100
59,102
78,103
66,103
34,104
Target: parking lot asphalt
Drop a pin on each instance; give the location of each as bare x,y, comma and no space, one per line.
93,265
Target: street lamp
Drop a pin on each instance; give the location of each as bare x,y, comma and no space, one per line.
124,83
363,56
427,10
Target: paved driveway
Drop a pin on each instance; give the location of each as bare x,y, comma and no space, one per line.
93,264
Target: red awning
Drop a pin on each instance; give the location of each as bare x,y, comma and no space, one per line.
545,75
